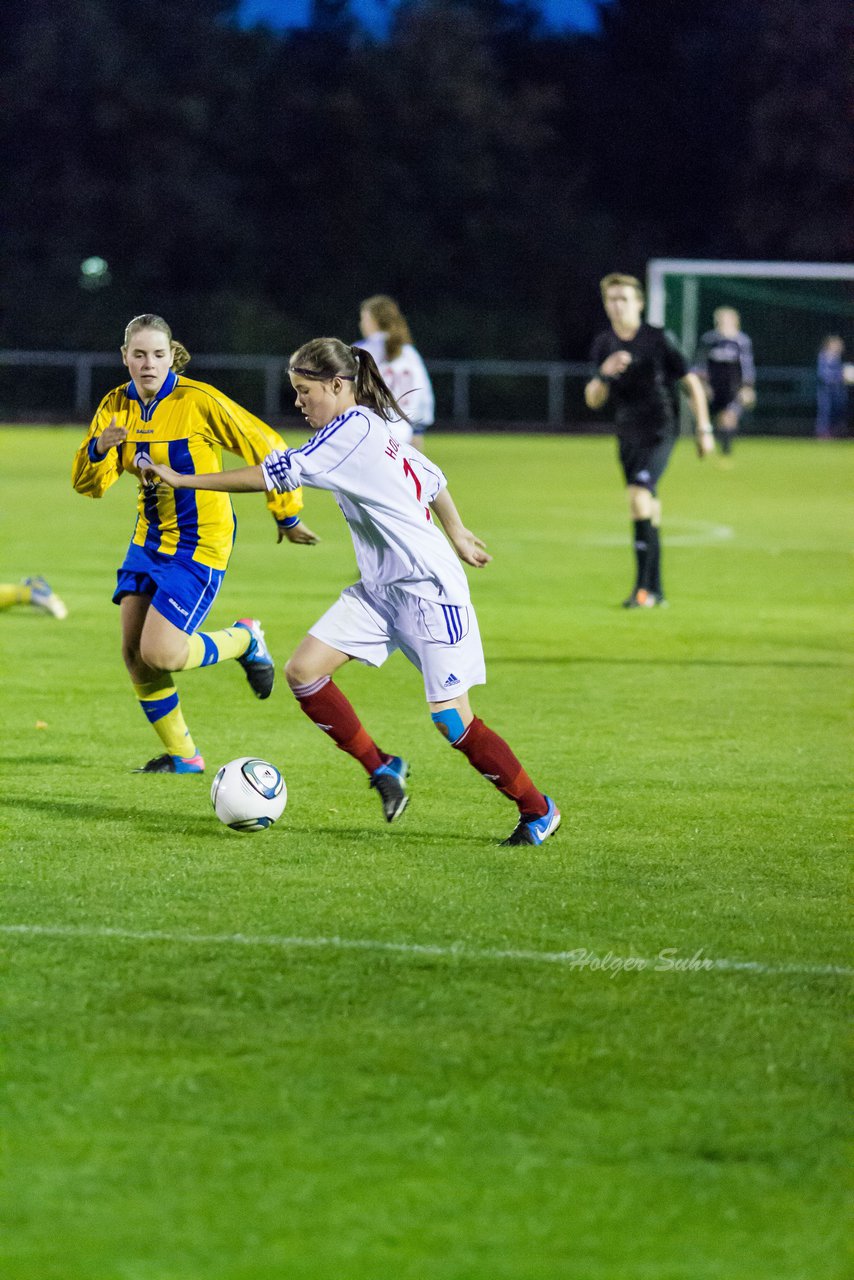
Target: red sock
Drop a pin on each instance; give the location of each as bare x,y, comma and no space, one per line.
326,705
492,757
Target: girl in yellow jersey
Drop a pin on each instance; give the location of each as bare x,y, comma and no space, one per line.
182,541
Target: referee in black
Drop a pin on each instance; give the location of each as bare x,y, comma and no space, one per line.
638,369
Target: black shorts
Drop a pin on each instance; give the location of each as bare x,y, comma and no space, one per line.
719,404
644,464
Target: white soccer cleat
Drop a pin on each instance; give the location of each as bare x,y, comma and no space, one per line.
45,598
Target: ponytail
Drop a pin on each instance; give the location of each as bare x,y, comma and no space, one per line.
180,356
372,389
325,358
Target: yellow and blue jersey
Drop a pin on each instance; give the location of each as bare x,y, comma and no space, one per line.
186,426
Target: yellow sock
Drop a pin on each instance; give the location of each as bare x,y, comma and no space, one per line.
14,593
162,707
207,647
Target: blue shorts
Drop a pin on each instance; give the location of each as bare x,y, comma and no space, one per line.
182,591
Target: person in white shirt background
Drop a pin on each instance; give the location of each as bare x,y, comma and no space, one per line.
386,335
412,594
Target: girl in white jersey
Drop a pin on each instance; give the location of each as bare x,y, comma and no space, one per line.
386,335
412,595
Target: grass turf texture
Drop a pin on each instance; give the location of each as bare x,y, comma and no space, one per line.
182,1103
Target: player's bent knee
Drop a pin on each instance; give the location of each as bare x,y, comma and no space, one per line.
302,677
449,723
159,658
641,501
295,675
131,657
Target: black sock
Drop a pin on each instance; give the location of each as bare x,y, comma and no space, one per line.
725,438
653,568
642,529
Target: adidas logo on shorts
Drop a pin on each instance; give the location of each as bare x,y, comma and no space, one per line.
450,682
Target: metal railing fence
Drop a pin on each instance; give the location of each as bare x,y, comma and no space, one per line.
547,394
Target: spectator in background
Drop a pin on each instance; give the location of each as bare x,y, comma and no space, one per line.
386,335
832,376
725,363
33,591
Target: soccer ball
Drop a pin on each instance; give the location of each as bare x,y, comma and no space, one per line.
248,794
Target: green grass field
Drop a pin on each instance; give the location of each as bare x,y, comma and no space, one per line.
344,1051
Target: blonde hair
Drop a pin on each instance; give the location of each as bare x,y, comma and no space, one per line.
180,354
388,315
726,311
624,282
323,359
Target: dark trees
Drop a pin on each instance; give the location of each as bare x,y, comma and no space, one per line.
254,185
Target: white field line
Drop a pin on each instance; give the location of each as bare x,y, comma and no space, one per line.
678,533
668,960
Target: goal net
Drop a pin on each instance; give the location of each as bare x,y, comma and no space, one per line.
787,308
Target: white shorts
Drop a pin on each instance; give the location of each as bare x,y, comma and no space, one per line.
441,640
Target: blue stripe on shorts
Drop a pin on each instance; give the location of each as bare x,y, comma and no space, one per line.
181,590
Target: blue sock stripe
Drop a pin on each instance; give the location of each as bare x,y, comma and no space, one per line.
211,651
157,708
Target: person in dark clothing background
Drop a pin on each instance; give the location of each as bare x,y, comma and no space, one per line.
724,361
638,369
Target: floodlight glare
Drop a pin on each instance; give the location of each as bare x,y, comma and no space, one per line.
94,267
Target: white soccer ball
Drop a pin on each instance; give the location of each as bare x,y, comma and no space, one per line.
249,794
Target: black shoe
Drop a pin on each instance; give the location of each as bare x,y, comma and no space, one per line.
173,764
641,599
257,661
389,781
532,830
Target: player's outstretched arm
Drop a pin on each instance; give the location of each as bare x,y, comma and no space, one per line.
298,533
241,480
467,545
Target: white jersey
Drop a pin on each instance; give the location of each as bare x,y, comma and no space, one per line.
384,489
406,378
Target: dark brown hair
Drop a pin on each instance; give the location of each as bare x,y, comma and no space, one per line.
325,358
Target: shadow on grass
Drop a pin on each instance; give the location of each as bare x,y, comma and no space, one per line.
41,760
77,810
167,824
404,835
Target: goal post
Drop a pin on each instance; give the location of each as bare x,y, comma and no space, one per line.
787,308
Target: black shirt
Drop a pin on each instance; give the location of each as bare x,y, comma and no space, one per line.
644,396
726,363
